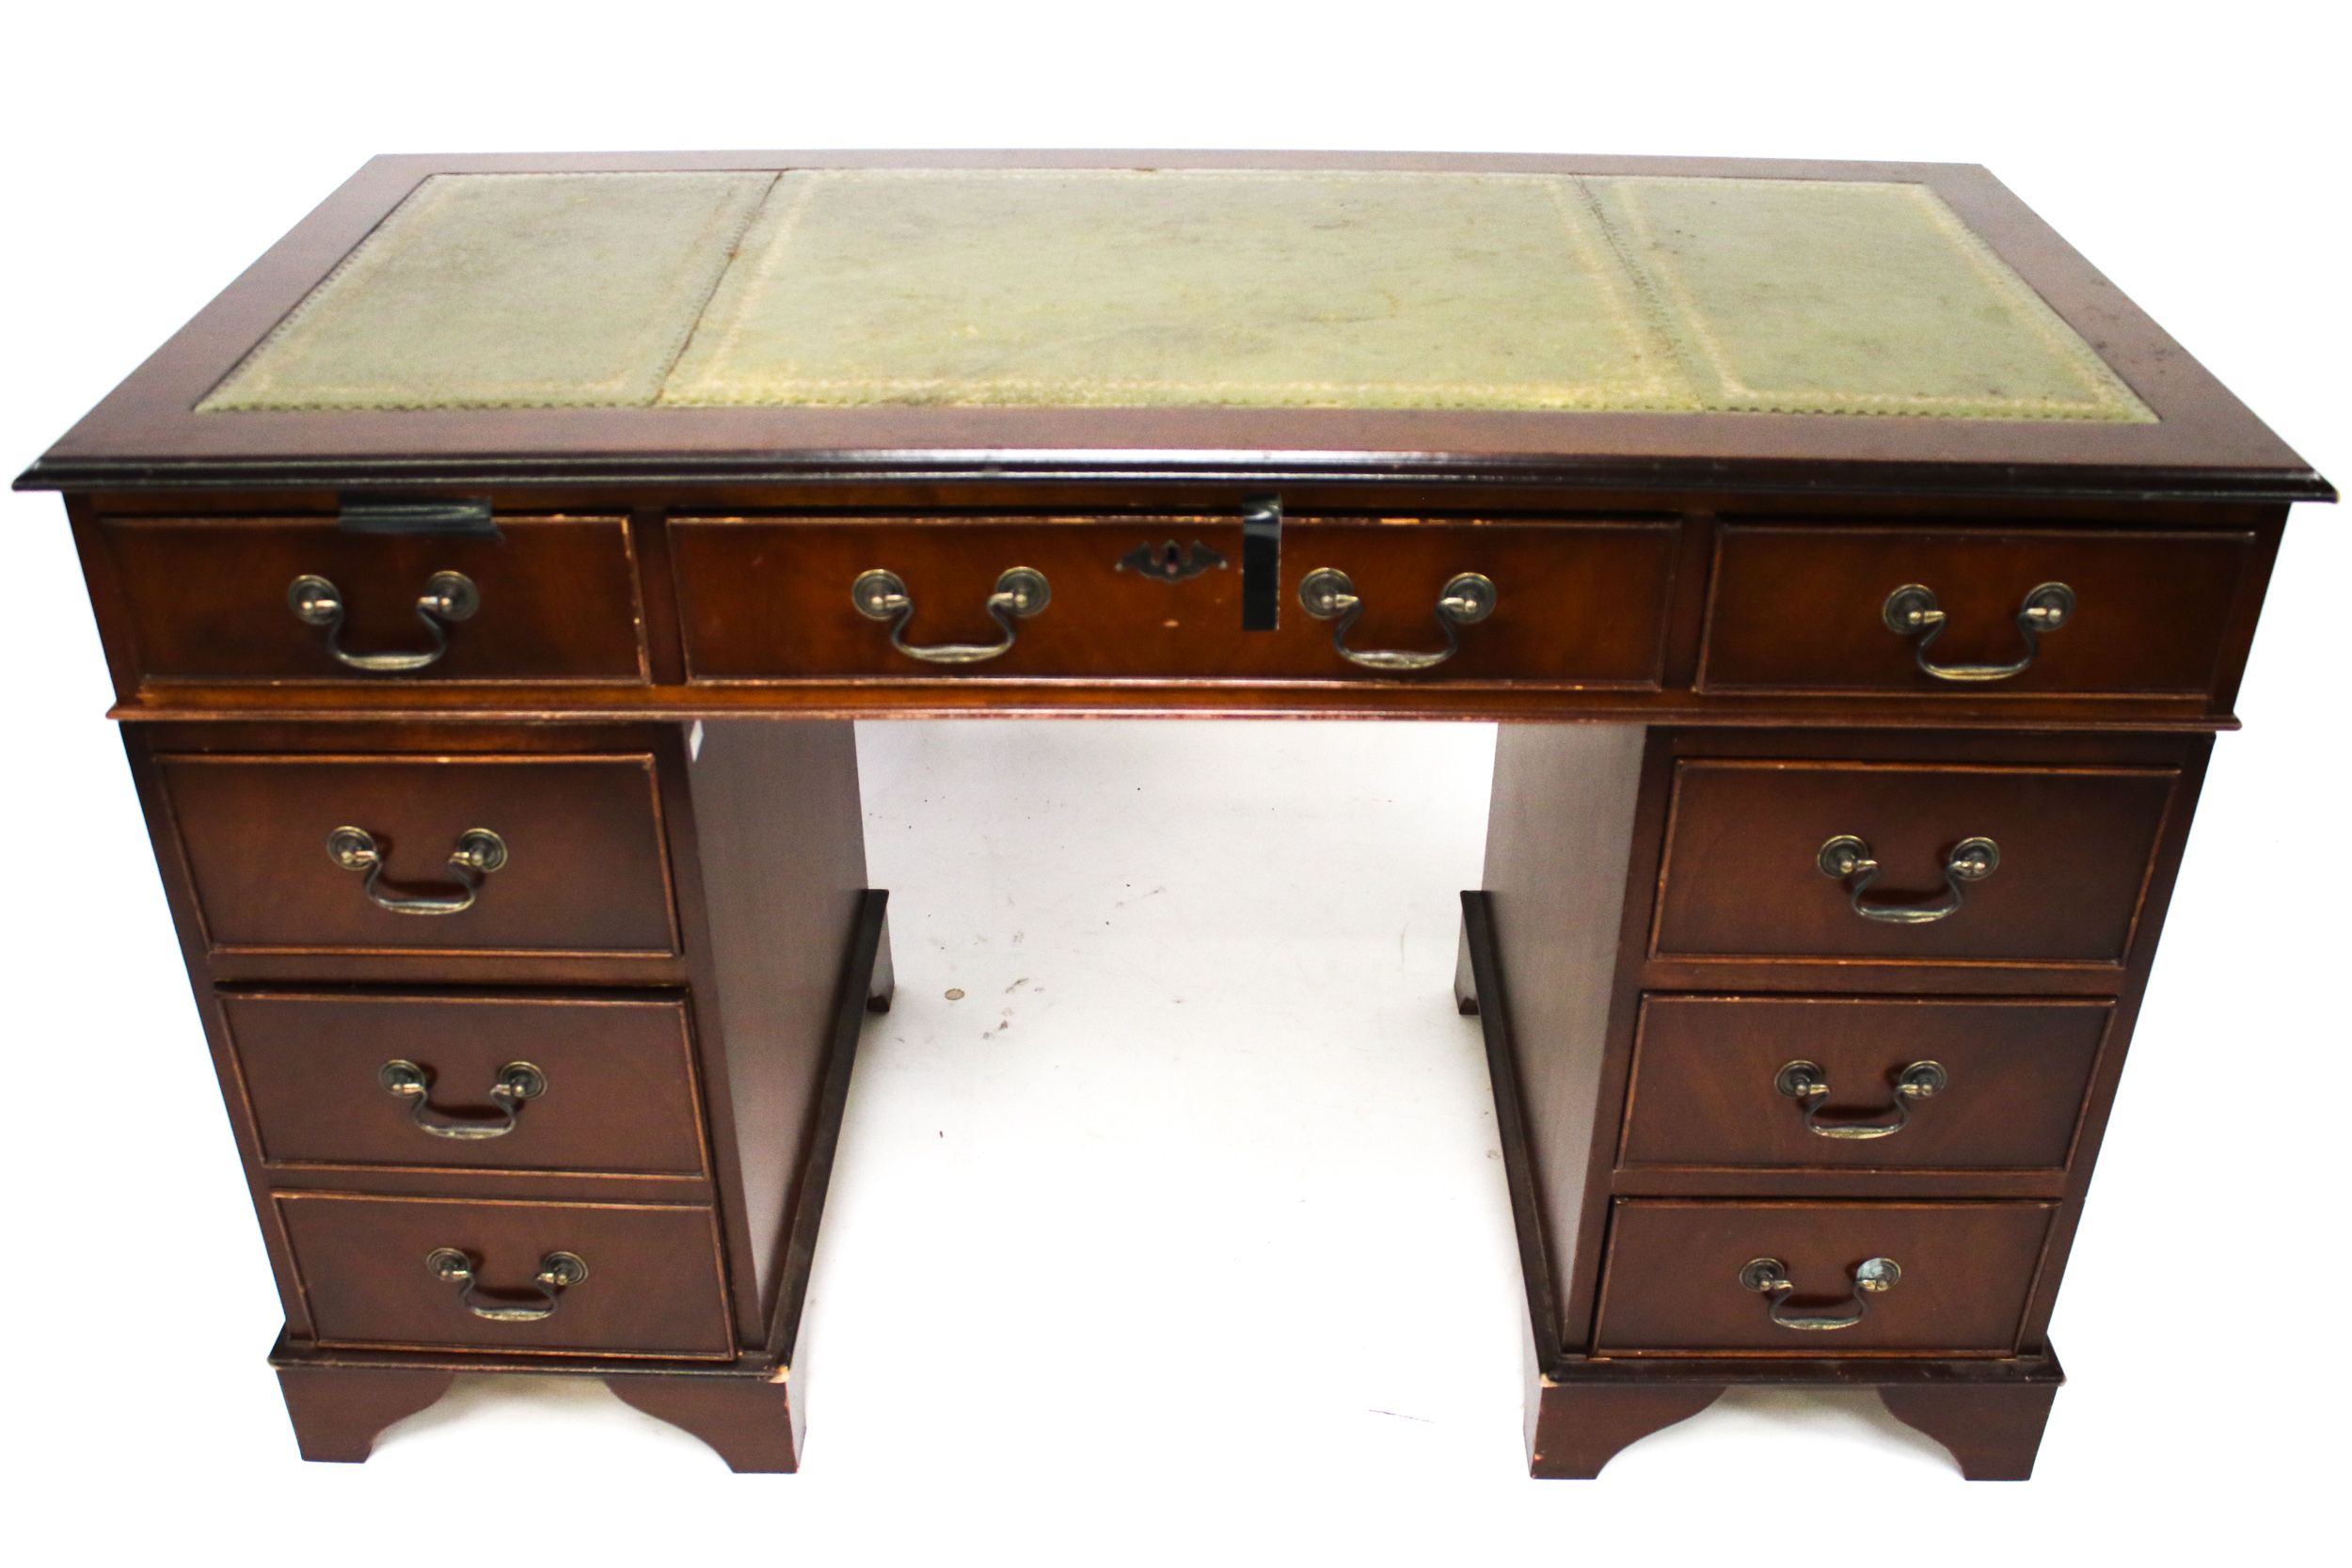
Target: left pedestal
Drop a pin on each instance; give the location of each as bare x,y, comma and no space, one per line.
535,1040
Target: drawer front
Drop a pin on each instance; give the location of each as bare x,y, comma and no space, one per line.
584,869
609,1086
208,601
1674,1277
1744,872
1804,610
2006,1091
1580,605
653,1284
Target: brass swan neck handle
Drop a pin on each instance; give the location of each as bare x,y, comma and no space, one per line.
517,1081
1847,859
1020,592
1805,1082
1328,595
558,1271
478,853
1769,1276
1911,610
448,598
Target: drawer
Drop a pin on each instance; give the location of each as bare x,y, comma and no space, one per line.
652,1284
1707,1077
1804,610
611,1087
1743,874
1576,604
585,867
209,600
1674,1279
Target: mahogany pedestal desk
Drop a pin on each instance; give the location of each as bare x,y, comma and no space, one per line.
490,576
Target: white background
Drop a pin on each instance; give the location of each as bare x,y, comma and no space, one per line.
1204,1255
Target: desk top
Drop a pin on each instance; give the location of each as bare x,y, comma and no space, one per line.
1261,317
1176,288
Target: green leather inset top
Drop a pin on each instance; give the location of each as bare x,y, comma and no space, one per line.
1131,288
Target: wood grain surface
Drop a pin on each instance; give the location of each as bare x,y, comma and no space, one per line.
1673,1279
1741,876
1577,604
586,868
620,1093
206,599
1799,609
654,1287
1705,1069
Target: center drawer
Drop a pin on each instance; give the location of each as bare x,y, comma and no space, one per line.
602,1084
1677,1277
1580,604
650,1283
2061,860
580,862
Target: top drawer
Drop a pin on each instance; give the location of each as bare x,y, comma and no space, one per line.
555,599
1808,610
395,854
1908,864
1580,604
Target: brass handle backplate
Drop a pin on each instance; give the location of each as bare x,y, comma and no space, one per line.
517,1081
1769,1276
1911,610
479,852
1805,1082
1328,595
558,1271
448,598
1021,592
1847,859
